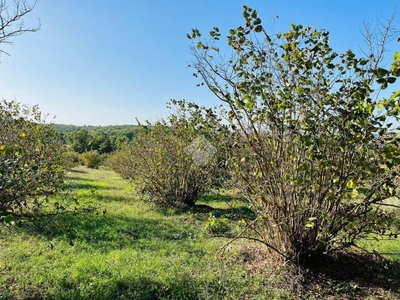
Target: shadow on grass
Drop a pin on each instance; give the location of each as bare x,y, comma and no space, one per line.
78,171
77,178
209,198
232,213
79,185
113,198
236,210
353,275
107,232
146,288
143,288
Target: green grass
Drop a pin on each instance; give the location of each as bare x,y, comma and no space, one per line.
387,247
129,249
133,251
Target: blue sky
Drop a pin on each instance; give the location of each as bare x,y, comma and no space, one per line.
99,62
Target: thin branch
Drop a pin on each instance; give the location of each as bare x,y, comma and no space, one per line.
12,23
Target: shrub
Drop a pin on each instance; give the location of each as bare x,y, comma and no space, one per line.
122,161
91,159
175,161
31,159
72,159
313,147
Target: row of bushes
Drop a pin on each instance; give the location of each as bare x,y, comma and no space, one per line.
175,161
298,135
91,159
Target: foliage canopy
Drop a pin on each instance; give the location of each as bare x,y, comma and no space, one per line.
177,160
314,149
31,160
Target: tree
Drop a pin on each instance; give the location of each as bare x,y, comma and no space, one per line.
31,160
314,151
174,161
12,22
101,142
81,141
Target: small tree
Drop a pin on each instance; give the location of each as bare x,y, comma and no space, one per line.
175,161
314,149
31,160
91,159
81,141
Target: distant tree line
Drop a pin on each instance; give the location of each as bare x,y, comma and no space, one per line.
103,139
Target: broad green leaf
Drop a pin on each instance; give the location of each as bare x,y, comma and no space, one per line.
258,28
257,21
249,104
380,72
9,219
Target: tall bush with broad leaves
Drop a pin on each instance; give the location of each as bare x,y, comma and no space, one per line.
175,161
314,148
31,160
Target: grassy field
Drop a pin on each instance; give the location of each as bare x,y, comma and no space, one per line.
129,249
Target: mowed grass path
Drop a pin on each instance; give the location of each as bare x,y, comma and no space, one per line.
128,250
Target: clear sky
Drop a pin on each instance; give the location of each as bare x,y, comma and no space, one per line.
102,62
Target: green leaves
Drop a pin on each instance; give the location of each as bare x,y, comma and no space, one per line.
195,34
9,219
257,21
258,28
31,160
177,160
305,119
380,72
310,222
383,77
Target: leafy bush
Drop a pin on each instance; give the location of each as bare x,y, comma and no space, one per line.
91,159
122,161
175,161
31,159
313,147
72,159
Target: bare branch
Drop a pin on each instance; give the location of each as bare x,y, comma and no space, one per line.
12,21
378,36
